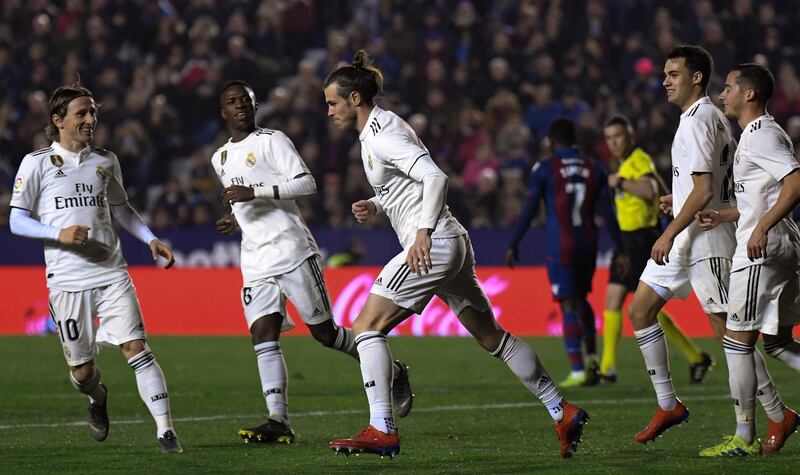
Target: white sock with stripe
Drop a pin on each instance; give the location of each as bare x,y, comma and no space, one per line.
767,394
346,342
656,358
376,372
525,364
91,387
786,351
152,389
742,381
274,379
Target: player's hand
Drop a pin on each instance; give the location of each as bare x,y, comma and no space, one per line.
160,248
708,219
363,209
622,263
226,225
660,251
237,194
757,244
665,203
511,257
613,180
77,234
419,254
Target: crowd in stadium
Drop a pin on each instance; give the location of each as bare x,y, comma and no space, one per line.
478,80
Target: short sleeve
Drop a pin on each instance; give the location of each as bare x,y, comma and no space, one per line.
773,152
699,143
27,184
116,191
285,157
400,150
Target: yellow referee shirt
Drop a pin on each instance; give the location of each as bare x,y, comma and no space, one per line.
634,212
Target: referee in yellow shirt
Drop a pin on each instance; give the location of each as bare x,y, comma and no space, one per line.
637,188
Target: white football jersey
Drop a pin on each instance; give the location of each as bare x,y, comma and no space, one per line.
275,239
389,150
764,157
61,189
703,144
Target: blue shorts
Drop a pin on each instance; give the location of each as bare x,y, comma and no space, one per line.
573,281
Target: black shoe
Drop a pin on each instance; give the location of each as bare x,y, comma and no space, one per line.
169,443
402,395
592,373
698,371
608,378
270,431
98,418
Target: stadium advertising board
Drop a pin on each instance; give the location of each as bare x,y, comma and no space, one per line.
206,301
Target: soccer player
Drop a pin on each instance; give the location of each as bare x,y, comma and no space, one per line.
637,187
65,195
702,160
573,189
437,259
764,279
280,259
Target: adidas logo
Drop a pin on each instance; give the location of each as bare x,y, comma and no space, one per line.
379,281
222,172
651,372
710,300
735,402
542,381
369,384
60,174
316,312
734,317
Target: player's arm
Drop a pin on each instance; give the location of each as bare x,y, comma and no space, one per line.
711,218
606,210
644,187
699,197
776,157
22,224
535,191
434,194
128,218
283,155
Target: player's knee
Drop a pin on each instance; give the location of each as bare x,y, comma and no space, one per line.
82,372
325,334
133,348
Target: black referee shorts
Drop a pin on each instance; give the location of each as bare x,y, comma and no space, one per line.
636,245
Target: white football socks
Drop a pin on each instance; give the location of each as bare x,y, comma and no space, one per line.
525,364
742,381
274,379
767,394
91,387
376,372
152,389
786,351
656,358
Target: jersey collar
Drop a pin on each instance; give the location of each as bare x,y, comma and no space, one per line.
71,155
567,152
376,111
746,128
702,100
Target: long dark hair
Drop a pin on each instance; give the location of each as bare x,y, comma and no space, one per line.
359,76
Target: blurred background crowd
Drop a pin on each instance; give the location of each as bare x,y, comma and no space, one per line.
478,80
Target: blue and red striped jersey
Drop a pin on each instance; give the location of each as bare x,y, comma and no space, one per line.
574,189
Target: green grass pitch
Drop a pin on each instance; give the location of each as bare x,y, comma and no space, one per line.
470,414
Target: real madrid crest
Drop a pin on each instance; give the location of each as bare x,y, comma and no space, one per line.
223,157
736,157
56,160
251,159
101,172
369,161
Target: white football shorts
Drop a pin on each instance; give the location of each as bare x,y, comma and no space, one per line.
763,298
452,278
304,286
708,278
118,315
